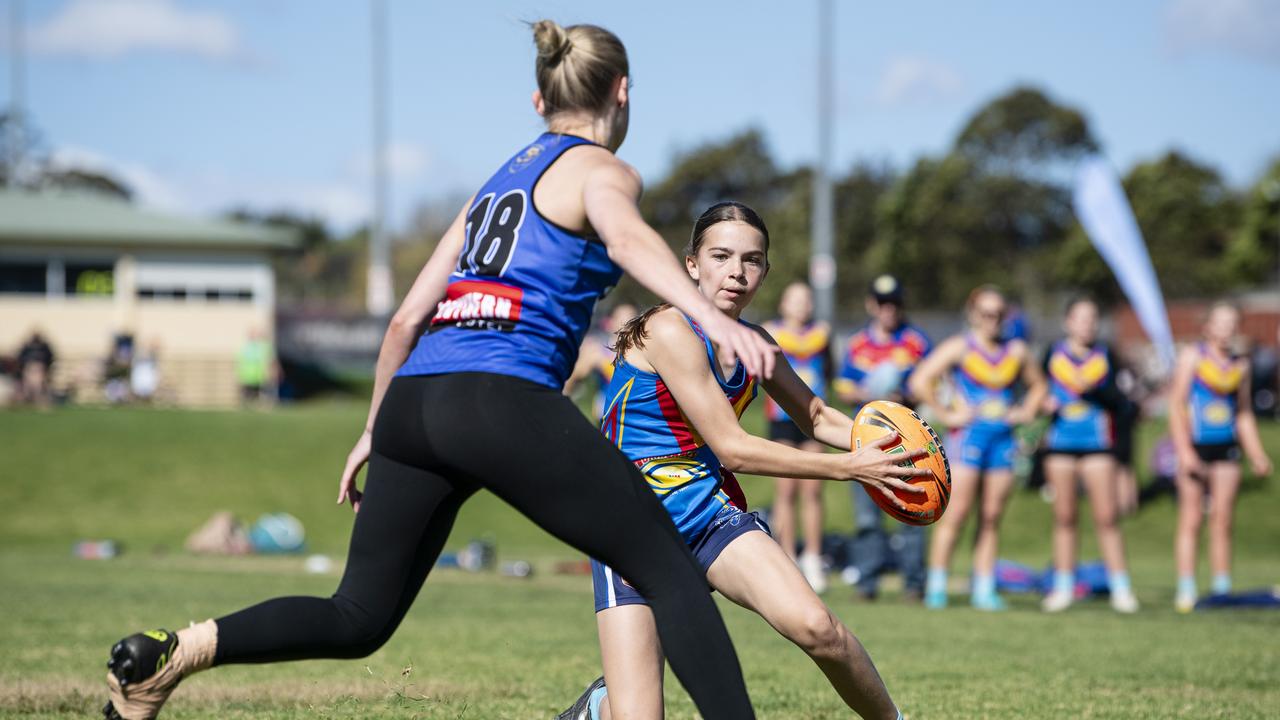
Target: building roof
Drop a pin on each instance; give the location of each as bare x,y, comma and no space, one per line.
86,219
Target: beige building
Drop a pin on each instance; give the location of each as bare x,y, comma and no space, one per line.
83,269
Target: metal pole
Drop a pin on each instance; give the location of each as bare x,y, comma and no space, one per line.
17,89
380,295
822,265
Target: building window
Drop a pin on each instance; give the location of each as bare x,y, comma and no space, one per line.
224,295
23,278
90,279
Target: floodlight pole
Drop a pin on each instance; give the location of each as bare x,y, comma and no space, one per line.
822,265
379,293
17,100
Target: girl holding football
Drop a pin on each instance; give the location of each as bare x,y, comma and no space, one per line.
673,408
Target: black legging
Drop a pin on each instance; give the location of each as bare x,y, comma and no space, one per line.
436,441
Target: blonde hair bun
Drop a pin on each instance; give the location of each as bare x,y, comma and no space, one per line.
552,41
584,81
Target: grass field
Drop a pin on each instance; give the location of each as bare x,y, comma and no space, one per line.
483,646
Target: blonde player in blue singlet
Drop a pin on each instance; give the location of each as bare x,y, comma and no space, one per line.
806,344
1210,420
984,370
673,408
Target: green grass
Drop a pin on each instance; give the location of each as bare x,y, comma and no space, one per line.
483,646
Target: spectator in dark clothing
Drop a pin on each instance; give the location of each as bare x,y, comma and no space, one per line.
35,364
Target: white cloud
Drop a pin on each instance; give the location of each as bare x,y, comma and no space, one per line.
343,205
342,202
149,188
342,198
108,29
405,161
1248,27
917,81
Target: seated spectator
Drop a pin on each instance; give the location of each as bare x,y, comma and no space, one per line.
117,368
145,380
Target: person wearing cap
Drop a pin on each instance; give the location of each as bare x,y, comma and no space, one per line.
877,363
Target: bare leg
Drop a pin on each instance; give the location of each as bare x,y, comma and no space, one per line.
1099,474
1126,490
995,494
964,491
755,574
1224,484
1060,473
811,515
811,507
633,663
1190,512
783,514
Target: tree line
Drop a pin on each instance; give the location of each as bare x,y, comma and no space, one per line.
995,207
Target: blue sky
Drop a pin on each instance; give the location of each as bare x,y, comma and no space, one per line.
206,105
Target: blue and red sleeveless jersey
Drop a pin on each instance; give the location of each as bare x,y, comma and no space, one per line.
809,353
520,298
867,360
641,417
1214,398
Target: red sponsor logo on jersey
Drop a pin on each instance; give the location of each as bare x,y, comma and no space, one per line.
479,300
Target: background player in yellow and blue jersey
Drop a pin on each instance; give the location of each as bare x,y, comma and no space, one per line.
984,369
1210,420
806,345
673,409
1084,404
878,362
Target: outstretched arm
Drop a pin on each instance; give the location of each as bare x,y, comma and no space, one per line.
402,332
679,357
610,196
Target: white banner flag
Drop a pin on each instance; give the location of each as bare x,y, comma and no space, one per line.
1104,211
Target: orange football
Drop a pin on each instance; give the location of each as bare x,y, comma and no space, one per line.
880,417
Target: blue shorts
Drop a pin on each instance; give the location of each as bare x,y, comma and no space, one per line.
984,447
730,523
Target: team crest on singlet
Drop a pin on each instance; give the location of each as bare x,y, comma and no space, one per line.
523,160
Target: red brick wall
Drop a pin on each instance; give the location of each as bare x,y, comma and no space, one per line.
1186,317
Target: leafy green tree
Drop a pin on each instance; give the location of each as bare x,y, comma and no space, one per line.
740,168
1025,133
991,210
1251,255
857,195
1187,215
